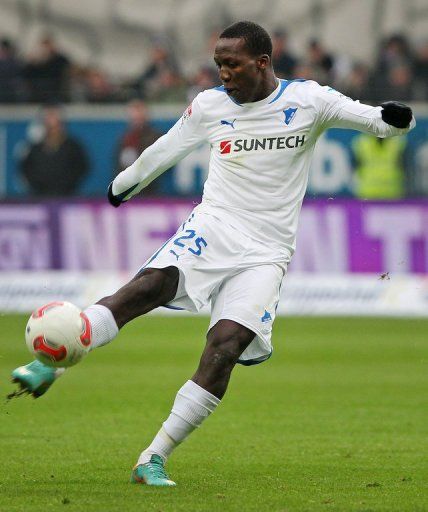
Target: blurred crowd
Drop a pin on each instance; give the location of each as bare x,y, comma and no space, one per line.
52,163
50,77
400,72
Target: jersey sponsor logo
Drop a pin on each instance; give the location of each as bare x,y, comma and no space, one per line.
225,146
289,115
261,144
228,123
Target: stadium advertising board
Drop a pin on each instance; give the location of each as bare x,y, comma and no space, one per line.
331,171
301,294
334,236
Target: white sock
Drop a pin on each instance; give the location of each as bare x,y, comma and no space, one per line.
103,329
103,325
191,406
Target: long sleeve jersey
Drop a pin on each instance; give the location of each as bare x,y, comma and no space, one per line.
260,153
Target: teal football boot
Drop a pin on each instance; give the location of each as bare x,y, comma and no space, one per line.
151,473
34,378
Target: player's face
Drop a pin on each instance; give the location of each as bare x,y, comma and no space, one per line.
241,74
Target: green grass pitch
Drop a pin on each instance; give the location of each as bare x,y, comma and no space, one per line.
336,420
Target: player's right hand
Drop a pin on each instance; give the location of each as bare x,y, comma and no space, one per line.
112,199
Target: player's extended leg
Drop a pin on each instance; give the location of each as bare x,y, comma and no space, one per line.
196,400
148,290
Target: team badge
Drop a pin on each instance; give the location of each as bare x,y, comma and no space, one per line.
289,115
266,317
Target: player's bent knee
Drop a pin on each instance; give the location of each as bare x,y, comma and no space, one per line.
229,338
158,285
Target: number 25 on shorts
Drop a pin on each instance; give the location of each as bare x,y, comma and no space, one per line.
199,242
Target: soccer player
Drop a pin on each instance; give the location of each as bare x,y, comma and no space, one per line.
234,248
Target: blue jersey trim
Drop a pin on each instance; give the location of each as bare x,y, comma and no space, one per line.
222,89
173,307
155,255
252,362
284,85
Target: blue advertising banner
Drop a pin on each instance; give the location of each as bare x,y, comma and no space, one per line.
332,172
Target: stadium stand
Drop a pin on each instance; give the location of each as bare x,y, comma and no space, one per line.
116,36
74,40
11,22
95,12
194,51
142,14
123,53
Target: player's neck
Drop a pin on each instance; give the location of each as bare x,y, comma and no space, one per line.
267,87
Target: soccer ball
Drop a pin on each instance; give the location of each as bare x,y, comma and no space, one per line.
58,334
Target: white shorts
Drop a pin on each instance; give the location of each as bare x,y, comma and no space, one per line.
239,276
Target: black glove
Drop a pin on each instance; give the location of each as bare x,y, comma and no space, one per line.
396,114
112,199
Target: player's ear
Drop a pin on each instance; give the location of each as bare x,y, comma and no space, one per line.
263,61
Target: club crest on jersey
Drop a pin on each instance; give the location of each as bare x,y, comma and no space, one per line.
267,317
261,144
289,115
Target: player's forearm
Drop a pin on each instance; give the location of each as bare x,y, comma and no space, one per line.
134,178
380,128
184,136
155,160
368,119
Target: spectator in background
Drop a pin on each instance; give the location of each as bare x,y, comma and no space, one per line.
321,62
393,51
55,165
138,136
356,84
170,88
399,83
283,60
98,88
47,73
394,55
421,72
10,73
379,166
205,78
160,69
304,70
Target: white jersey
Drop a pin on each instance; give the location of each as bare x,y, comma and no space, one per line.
260,154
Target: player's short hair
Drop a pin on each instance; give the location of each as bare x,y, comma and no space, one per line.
257,40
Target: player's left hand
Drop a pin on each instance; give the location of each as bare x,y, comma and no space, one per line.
112,199
396,114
